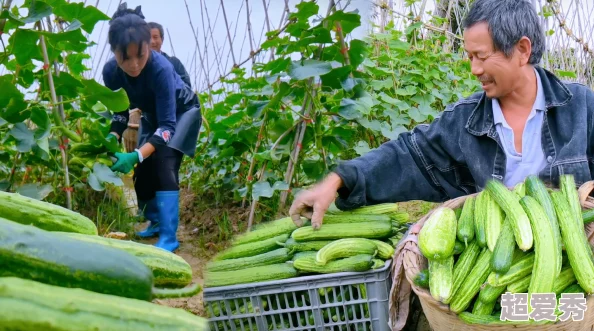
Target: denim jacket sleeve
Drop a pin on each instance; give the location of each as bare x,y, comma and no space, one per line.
422,164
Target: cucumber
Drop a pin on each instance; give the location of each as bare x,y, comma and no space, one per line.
437,237
465,231
249,275
265,231
357,263
508,201
303,246
472,283
44,215
27,305
369,230
169,269
251,249
441,278
47,257
504,249
347,247
279,255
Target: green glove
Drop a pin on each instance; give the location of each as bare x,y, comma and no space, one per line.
111,137
126,162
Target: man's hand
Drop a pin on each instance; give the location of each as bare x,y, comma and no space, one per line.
125,162
314,203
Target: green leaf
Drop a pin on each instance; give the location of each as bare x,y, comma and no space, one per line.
94,92
74,61
362,148
305,10
69,41
12,21
105,175
416,115
35,191
38,10
309,68
280,186
24,46
349,21
357,52
255,108
349,109
373,125
319,35
40,117
407,91
25,137
66,85
88,16
262,189
392,132
95,183
399,45
335,77
43,146
569,74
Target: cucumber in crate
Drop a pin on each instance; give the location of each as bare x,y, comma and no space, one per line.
268,276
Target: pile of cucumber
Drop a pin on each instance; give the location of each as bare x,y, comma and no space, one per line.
57,273
527,240
354,241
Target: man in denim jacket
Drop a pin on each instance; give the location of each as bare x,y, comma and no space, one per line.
525,121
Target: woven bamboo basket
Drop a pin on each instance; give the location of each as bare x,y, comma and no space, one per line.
130,135
441,318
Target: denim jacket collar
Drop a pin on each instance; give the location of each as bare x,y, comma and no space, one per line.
481,120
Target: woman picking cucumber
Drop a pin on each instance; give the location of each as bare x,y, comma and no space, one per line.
169,125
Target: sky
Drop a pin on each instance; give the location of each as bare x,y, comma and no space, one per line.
177,19
173,15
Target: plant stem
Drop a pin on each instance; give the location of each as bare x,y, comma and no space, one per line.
255,202
60,116
253,162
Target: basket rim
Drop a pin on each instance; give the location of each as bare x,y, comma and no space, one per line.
281,282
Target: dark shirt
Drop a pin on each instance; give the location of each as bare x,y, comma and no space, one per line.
461,150
179,68
154,92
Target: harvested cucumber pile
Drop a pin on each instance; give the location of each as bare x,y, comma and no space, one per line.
354,241
57,273
529,240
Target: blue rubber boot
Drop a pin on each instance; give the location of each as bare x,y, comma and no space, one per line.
168,206
151,213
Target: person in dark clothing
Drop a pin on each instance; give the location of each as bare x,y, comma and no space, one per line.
157,38
169,126
526,121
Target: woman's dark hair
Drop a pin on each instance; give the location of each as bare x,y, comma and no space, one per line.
153,25
127,26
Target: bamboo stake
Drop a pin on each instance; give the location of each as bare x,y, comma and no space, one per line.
52,87
253,161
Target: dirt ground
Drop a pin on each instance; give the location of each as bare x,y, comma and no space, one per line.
203,232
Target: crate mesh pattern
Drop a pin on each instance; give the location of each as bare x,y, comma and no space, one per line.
348,301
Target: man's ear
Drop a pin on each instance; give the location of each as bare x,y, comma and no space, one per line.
524,47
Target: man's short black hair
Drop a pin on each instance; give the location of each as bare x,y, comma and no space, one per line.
153,25
127,27
509,21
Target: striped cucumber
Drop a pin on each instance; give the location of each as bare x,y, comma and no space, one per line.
519,269
357,263
472,283
354,218
169,269
44,215
491,293
481,210
504,249
441,278
265,231
576,245
369,230
546,248
463,266
303,246
28,305
493,222
508,201
279,255
483,308
384,250
250,275
568,188
252,248
536,189
347,247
